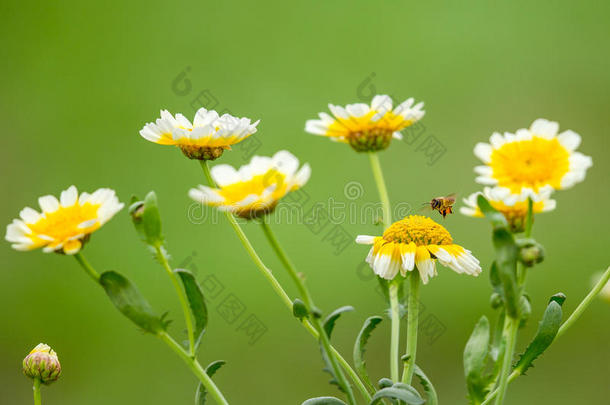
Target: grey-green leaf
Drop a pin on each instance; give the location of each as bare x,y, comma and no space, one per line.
323,401
201,393
299,310
329,322
360,347
126,298
199,310
551,321
399,391
427,384
475,358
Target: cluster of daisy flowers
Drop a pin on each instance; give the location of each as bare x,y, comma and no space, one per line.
531,164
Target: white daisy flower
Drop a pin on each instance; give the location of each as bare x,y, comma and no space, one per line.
64,224
534,159
417,242
364,127
205,138
256,188
512,206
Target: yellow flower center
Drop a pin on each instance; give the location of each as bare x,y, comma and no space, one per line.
63,223
388,123
238,191
532,163
418,229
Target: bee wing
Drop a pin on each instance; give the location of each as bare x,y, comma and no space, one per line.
451,197
426,207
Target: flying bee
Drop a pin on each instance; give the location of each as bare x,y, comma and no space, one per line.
444,205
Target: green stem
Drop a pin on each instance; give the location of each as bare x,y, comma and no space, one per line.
88,269
324,339
584,303
36,388
195,367
383,191
277,287
395,331
529,220
187,357
511,334
162,258
412,324
573,318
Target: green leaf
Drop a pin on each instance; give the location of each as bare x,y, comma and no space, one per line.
329,322
547,329
360,346
299,310
323,401
201,393
427,384
194,294
525,310
475,357
128,300
146,219
399,391
494,216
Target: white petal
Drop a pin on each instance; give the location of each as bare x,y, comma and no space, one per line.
48,203
365,239
483,152
569,140
285,162
224,175
68,197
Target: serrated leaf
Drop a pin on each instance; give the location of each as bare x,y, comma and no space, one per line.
475,357
360,347
427,384
146,219
199,310
547,329
126,298
299,310
398,391
329,322
323,401
210,370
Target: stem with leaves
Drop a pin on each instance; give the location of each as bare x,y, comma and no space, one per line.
277,287
187,357
311,308
162,258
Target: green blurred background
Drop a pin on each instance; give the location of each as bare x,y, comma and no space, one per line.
79,79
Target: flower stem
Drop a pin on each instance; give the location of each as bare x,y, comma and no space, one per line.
512,325
277,287
395,331
573,317
36,388
412,324
162,258
381,187
584,303
88,269
529,220
188,358
195,367
324,339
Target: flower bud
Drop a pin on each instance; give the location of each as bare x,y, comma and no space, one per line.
496,300
530,252
42,364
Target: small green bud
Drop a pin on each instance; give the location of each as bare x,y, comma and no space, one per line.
525,310
530,252
146,219
385,383
42,364
496,300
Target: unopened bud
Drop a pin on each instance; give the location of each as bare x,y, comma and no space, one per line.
42,364
530,252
